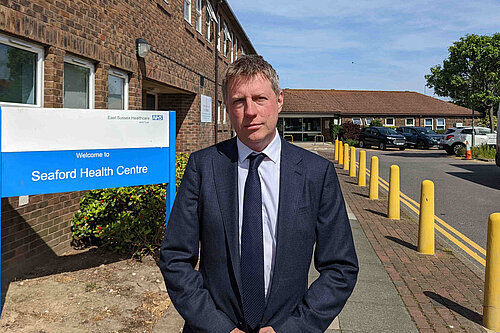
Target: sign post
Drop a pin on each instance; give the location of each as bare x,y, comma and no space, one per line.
62,150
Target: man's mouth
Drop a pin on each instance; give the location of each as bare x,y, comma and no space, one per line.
253,126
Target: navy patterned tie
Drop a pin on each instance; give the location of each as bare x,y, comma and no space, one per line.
252,247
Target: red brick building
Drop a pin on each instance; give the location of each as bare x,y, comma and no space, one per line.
307,112
83,54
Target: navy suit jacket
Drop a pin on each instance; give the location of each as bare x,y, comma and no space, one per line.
204,223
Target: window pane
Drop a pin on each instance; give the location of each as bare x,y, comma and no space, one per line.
116,92
76,86
17,75
440,121
428,122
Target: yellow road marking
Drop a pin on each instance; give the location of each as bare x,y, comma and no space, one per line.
415,206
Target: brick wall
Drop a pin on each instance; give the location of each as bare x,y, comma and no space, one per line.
104,33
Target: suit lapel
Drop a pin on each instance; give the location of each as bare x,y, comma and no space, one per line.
291,184
225,168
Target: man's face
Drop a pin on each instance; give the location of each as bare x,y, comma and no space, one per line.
253,109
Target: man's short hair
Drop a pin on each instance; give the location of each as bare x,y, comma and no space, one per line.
248,66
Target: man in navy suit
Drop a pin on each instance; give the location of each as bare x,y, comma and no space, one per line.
254,209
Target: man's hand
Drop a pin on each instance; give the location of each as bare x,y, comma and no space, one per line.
237,330
267,329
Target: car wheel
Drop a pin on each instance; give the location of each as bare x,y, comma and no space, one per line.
402,148
456,148
361,144
382,146
420,144
449,151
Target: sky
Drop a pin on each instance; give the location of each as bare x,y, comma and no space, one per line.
361,44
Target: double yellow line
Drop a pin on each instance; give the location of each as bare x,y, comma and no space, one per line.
459,239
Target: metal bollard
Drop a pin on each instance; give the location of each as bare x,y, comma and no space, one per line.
426,220
374,178
346,156
352,167
341,153
491,306
362,168
393,209
336,149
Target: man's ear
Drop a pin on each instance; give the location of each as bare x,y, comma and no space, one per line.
280,101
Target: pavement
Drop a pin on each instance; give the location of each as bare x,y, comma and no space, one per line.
398,289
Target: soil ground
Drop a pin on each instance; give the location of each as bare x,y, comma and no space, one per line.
86,291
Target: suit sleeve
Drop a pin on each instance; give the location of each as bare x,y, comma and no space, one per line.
179,256
334,258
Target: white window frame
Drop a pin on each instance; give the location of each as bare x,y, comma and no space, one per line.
199,10
187,11
358,121
208,24
443,126
123,75
432,123
218,112
386,123
87,64
407,123
218,33
227,38
235,48
21,44
368,121
224,120
232,47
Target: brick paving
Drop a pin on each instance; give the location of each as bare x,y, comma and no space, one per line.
441,293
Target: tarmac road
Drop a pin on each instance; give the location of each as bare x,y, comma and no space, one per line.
466,192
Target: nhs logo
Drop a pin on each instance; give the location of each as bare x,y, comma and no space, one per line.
157,117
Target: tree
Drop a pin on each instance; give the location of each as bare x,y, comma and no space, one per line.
471,74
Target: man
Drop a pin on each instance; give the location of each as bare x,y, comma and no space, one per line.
257,206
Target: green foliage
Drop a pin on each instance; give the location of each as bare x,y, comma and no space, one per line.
124,219
180,165
334,130
471,75
440,131
350,131
351,142
376,122
484,151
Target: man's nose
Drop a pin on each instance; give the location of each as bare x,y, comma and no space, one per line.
250,108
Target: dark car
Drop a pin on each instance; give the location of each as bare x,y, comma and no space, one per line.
382,137
420,137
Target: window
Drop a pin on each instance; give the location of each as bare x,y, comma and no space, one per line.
368,121
218,113
389,121
117,90
410,122
187,10
21,72
208,23
224,115
235,49
218,33
428,123
357,121
199,7
78,83
232,47
440,124
227,39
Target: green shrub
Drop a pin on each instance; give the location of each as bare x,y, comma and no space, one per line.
376,122
124,219
461,151
351,142
334,130
484,151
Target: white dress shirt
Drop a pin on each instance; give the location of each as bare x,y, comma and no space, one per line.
269,173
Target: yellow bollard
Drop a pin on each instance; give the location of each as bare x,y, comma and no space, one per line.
393,210
341,153
336,150
374,178
352,167
426,220
346,156
491,306
362,168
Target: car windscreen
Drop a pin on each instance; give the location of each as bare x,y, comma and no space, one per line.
425,130
387,131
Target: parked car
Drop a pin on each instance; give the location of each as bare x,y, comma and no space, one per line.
382,137
420,137
456,138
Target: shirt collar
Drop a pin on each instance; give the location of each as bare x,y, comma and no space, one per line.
272,151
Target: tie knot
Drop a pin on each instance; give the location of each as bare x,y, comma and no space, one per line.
255,160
